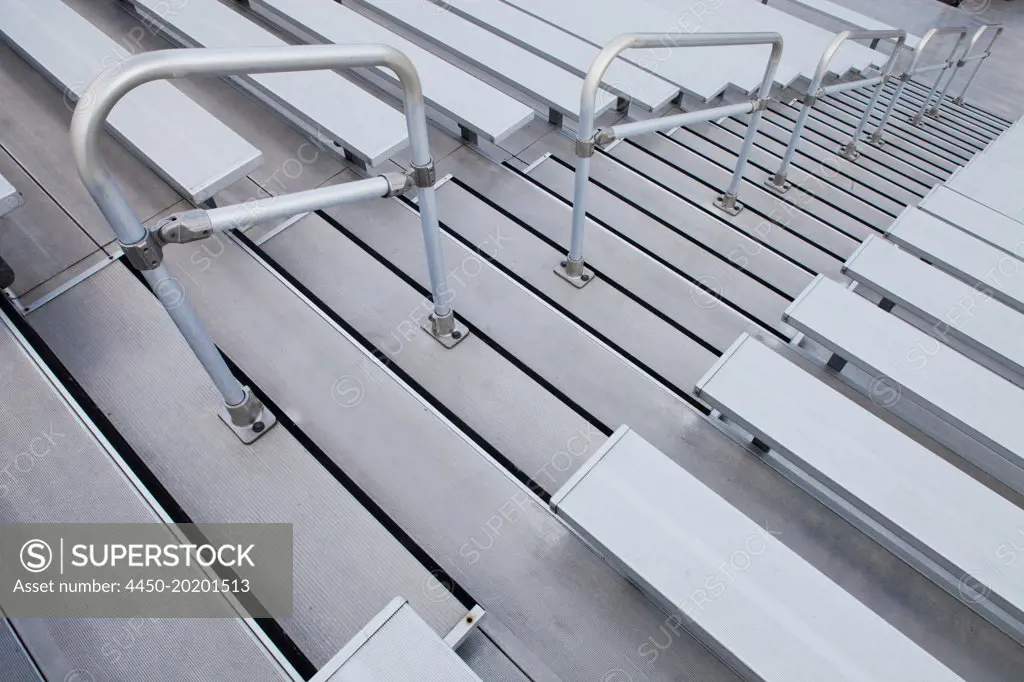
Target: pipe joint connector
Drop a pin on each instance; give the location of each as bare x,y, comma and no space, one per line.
184,227
145,254
398,184
423,176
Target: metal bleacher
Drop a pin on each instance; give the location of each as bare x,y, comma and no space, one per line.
681,343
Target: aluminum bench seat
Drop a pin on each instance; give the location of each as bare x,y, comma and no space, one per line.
322,104
703,72
948,305
961,392
623,78
187,146
74,475
891,487
851,17
473,104
754,602
550,85
396,645
10,198
961,255
987,224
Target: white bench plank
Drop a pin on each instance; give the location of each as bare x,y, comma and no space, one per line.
987,224
775,617
892,487
190,149
951,306
854,19
961,254
623,78
10,198
963,393
322,104
396,645
470,102
551,85
704,72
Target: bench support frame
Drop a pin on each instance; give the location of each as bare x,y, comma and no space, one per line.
778,182
587,139
242,410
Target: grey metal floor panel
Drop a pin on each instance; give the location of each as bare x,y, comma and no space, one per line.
836,125
14,660
613,259
958,143
79,478
488,661
472,103
540,581
969,137
987,224
193,151
819,223
948,306
868,206
367,127
347,566
492,397
889,177
771,229
38,240
950,385
924,142
725,274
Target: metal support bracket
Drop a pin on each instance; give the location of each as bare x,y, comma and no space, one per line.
575,273
778,184
446,330
729,203
145,254
250,419
849,151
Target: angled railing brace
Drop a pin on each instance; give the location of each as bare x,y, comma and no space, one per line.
778,182
573,268
242,411
965,60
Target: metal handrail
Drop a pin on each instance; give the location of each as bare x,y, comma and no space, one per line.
242,411
778,182
573,268
967,58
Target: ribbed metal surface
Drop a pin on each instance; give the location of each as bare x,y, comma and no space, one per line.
121,346
57,471
14,660
488,661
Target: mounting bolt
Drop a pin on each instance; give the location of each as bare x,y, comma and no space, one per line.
249,419
446,330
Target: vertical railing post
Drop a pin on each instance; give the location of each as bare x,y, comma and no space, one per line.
851,151
143,248
779,182
968,57
877,138
950,63
572,268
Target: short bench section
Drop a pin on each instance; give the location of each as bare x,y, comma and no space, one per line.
623,78
322,104
10,198
988,225
951,307
550,85
961,254
474,105
891,487
396,645
964,394
182,142
758,605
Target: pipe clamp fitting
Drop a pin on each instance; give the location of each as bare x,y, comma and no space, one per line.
423,176
145,254
585,148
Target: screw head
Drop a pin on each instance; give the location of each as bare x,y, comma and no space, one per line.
564,263
585,278
258,427
456,334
